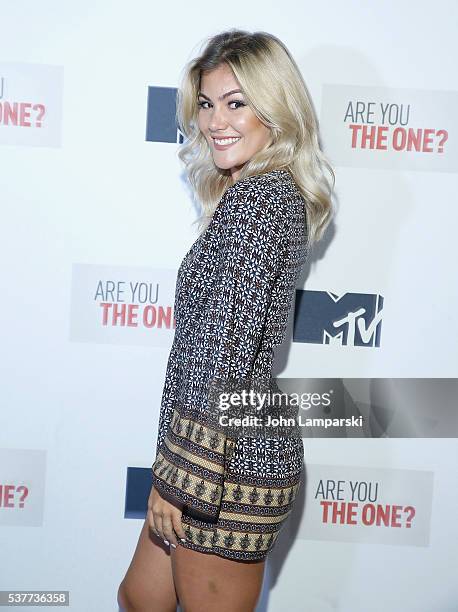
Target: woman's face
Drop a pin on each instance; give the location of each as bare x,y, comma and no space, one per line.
228,117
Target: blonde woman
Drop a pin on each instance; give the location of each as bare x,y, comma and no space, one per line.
252,157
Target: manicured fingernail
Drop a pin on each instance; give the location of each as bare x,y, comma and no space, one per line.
183,539
166,542
174,545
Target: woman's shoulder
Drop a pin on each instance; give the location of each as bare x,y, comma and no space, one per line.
273,180
256,206
266,192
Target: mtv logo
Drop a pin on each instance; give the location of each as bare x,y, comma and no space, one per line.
161,123
352,319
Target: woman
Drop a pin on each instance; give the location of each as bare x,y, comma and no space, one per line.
252,156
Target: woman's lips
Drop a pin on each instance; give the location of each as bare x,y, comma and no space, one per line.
221,147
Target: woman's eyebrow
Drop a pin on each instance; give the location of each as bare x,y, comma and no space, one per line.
228,93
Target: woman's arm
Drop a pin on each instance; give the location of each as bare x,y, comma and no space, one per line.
188,467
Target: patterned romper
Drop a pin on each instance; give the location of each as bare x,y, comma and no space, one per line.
233,297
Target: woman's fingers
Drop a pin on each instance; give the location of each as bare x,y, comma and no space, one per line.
156,505
157,519
177,525
165,519
150,513
167,529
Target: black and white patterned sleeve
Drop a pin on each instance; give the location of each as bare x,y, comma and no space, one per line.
190,463
249,262
168,396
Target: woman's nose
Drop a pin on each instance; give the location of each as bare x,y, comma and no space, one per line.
217,120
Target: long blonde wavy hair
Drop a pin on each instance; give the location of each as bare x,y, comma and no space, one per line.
273,87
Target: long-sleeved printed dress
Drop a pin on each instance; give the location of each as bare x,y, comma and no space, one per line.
233,297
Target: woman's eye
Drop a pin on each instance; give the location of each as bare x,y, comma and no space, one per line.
239,103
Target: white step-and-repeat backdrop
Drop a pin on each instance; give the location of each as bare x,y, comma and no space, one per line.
96,218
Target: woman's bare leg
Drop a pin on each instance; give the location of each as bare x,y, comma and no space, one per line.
159,574
206,582
148,584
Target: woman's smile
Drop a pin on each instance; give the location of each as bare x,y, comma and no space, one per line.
221,144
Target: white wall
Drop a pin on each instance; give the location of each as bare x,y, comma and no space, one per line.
85,199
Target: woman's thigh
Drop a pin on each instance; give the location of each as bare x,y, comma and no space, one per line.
148,584
206,582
